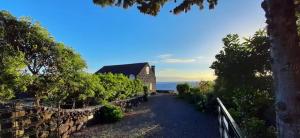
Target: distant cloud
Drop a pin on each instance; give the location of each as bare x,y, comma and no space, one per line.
153,62
165,56
202,59
178,60
170,59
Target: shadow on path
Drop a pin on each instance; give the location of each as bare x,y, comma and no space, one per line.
162,116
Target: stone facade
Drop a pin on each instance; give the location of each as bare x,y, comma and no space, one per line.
148,79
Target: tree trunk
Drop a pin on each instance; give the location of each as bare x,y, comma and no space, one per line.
285,53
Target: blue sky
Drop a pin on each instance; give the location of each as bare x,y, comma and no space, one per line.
181,46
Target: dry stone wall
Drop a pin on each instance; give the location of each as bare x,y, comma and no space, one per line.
42,122
17,120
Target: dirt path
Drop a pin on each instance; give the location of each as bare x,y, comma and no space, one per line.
162,116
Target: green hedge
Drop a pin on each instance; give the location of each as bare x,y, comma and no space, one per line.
109,113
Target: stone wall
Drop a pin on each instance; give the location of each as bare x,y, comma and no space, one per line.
19,120
130,103
42,122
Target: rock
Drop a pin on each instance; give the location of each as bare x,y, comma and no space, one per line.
63,128
20,133
90,117
43,134
79,126
65,135
18,114
85,119
71,123
26,122
73,129
53,128
47,115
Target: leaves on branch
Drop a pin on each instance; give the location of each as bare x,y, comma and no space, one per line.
152,7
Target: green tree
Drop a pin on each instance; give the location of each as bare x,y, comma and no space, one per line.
67,73
243,64
52,70
244,80
10,76
35,43
12,80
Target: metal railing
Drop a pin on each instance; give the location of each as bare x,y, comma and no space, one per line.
227,126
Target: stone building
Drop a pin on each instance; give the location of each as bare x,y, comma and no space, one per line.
142,71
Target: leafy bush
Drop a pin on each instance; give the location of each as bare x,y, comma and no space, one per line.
256,128
109,113
146,93
244,82
201,96
118,86
183,88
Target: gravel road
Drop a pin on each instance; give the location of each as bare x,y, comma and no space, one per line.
163,116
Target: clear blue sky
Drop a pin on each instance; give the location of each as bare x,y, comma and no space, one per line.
181,46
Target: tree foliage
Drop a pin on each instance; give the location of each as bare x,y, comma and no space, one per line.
36,46
11,62
67,72
33,62
10,76
244,80
118,86
244,64
152,7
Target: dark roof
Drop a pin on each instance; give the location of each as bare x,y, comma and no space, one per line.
125,69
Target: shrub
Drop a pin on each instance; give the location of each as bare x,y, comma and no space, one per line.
203,98
211,103
201,101
183,88
109,113
118,86
255,127
146,93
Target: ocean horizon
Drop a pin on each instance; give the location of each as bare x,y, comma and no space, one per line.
172,85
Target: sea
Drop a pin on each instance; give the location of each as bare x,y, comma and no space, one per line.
172,85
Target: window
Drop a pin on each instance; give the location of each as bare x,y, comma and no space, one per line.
131,77
150,86
147,70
